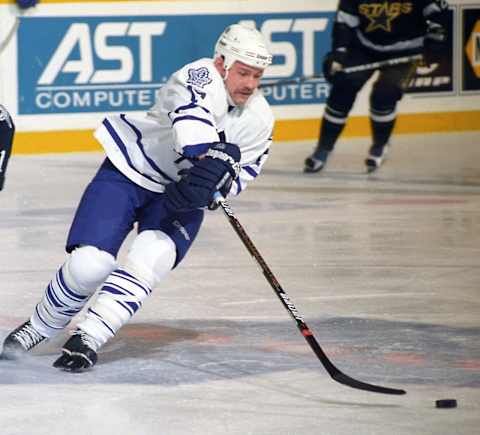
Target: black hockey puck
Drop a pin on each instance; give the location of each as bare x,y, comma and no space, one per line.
446,403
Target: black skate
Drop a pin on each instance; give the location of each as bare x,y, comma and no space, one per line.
78,353
316,161
20,341
376,157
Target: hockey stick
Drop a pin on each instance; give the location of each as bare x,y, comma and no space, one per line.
333,371
9,35
382,63
348,70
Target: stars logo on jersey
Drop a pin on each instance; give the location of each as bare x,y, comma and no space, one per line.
199,77
381,15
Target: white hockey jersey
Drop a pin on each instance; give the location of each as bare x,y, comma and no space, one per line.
191,112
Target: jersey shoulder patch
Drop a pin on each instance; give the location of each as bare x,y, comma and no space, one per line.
199,76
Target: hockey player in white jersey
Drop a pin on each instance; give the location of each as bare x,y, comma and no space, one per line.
209,131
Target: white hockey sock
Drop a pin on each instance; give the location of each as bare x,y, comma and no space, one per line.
119,298
59,304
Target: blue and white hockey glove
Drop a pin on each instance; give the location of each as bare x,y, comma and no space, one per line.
25,4
198,185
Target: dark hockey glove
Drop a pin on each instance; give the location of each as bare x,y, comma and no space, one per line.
434,43
198,185
333,64
25,4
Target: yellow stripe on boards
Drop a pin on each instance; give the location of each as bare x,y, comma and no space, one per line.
41,142
112,1
411,123
285,130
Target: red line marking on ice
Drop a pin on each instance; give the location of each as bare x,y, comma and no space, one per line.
469,364
405,358
418,201
214,339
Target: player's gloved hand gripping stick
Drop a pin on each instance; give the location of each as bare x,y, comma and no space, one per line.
333,371
213,173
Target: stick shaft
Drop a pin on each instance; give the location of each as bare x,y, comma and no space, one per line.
333,371
348,70
382,63
9,35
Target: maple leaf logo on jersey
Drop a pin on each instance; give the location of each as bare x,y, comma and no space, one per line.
199,77
381,15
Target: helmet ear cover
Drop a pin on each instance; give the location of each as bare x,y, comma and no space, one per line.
244,44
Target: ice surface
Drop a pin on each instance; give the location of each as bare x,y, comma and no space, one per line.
384,268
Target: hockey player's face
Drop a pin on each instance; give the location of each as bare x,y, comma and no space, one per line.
241,82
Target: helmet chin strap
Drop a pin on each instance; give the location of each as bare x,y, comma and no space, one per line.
229,98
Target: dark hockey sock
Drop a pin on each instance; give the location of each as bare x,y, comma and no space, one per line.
329,133
382,128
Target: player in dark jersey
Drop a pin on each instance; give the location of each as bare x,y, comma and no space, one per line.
7,130
7,127
368,31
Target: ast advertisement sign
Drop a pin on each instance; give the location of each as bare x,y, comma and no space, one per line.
117,63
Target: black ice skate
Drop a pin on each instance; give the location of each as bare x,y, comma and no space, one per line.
20,341
376,157
78,353
316,161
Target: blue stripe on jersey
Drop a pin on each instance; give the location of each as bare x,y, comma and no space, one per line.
266,152
222,136
196,150
192,104
123,148
239,186
194,97
179,109
250,171
192,118
142,148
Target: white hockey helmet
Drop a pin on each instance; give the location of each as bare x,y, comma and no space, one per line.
245,44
